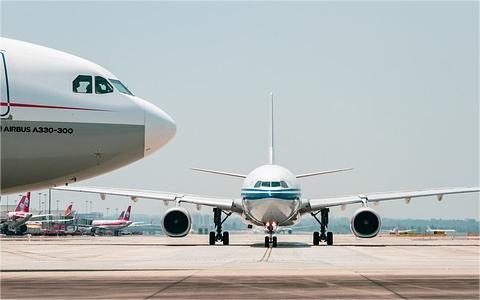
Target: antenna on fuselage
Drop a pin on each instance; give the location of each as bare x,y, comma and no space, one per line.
271,157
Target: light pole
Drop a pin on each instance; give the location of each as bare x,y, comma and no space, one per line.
45,202
58,213
39,202
91,203
49,201
107,211
86,207
7,203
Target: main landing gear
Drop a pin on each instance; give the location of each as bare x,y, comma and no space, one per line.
270,239
321,236
218,235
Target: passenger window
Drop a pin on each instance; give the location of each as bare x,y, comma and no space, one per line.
266,183
82,84
258,184
102,86
283,184
275,184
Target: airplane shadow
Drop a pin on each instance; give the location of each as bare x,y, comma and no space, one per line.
284,245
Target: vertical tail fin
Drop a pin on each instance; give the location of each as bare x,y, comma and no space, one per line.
68,211
126,217
271,157
20,204
121,215
24,203
27,203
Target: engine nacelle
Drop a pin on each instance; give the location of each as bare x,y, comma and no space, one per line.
366,223
176,222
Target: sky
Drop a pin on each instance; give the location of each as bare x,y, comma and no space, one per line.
388,88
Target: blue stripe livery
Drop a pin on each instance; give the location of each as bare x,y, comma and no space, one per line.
284,194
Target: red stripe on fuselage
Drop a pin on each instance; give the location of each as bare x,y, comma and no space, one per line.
12,104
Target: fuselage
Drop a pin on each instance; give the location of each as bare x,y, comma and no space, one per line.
64,119
111,224
271,196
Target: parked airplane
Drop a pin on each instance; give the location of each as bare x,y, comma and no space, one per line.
15,223
56,225
271,197
113,225
51,218
438,231
396,231
82,120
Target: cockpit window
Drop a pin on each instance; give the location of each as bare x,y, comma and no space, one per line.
283,184
82,84
120,87
275,184
102,86
266,184
258,184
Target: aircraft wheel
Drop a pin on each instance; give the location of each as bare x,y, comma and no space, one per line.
267,242
274,242
316,238
226,238
211,238
329,238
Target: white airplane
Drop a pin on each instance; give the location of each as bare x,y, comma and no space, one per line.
113,225
271,197
65,119
15,223
396,231
438,231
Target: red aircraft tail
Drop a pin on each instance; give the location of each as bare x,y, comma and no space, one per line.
68,211
121,215
126,217
24,203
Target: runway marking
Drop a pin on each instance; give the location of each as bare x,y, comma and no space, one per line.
266,255
169,286
383,286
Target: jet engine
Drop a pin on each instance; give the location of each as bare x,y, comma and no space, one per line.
177,222
365,223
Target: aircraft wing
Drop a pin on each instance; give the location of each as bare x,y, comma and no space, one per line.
317,204
52,221
222,203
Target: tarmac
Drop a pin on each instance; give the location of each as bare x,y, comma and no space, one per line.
157,267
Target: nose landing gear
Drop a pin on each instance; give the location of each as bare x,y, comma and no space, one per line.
270,239
218,235
322,236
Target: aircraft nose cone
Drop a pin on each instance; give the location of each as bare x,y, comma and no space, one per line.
159,128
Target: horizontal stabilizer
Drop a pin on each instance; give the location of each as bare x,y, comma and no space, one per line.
220,172
322,172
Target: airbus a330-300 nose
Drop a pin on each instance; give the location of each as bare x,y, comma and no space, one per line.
65,119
